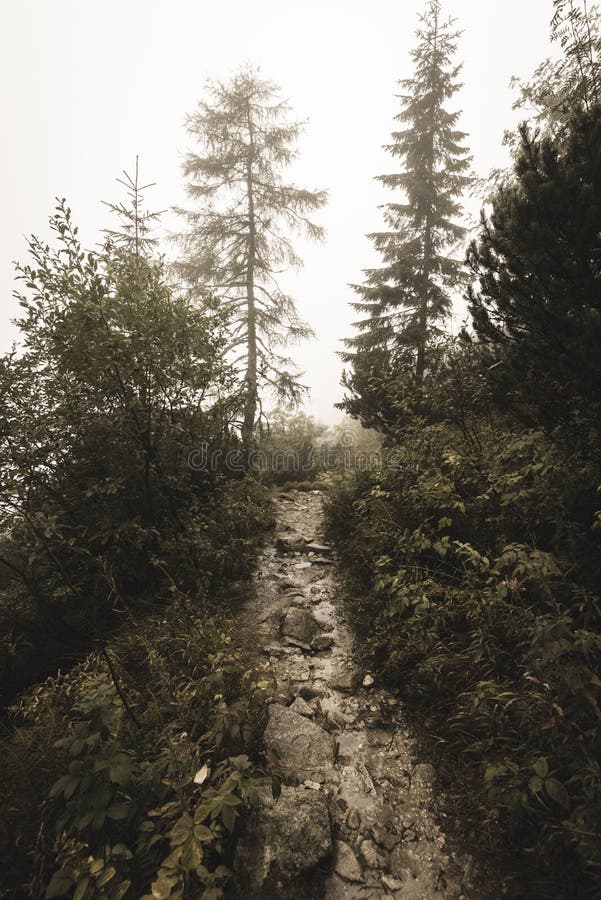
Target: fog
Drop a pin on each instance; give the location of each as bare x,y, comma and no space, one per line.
88,86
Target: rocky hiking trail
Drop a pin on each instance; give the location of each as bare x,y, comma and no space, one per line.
358,815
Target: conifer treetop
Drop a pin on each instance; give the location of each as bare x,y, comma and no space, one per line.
402,301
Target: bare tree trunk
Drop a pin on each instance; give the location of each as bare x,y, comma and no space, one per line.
250,408
420,365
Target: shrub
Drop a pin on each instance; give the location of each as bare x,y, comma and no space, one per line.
142,755
118,382
477,576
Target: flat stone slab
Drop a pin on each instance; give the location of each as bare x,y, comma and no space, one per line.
290,542
334,712
296,746
357,789
314,547
321,561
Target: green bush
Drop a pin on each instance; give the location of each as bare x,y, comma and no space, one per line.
137,761
119,384
477,573
124,775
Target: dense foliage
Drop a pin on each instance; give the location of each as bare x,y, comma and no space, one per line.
291,448
475,558
117,547
569,81
537,306
131,414
127,775
296,450
118,382
474,550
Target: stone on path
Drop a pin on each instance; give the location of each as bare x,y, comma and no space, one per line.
346,863
314,547
335,711
282,840
393,884
340,744
290,542
357,790
403,863
346,681
374,858
296,746
311,691
300,625
322,642
322,561
353,819
276,650
301,707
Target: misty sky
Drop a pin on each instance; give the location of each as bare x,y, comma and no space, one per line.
87,85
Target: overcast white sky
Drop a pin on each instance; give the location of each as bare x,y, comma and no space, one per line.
85,86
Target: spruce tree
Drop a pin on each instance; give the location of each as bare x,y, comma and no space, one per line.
402,301
236,242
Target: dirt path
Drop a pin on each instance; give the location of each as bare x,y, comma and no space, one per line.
358,814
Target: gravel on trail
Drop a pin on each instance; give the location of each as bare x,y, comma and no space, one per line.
340,743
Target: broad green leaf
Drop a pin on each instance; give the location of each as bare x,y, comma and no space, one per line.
60,885
557,792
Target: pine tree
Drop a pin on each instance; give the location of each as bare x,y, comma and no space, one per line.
537,306
236,243
403,300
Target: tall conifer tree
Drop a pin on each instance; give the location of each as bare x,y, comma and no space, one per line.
236,242
402,301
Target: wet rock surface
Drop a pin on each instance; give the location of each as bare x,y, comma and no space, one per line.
300,625
297,748
339,742
283,840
